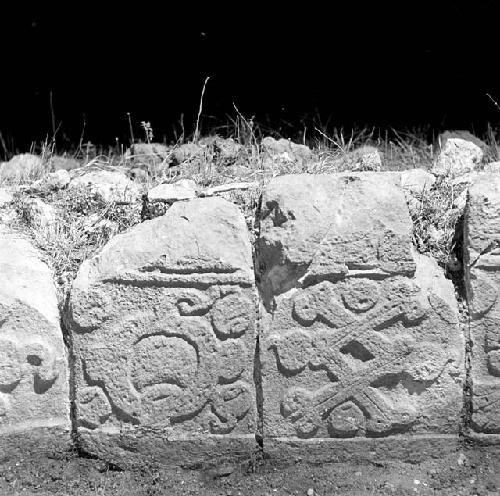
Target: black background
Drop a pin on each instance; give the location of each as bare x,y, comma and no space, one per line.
399,64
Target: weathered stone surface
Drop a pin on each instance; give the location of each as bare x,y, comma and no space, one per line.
417,181
364,158
285,150
111,183
21,168
39,213
360,336
6,196
460,152
34,390
180,190
59,163
224,151
57,180
492,167
186,153
149,152
482,271
163,327
52,181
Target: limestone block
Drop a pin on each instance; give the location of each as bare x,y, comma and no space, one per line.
149,152
417,181
21,168
286,150
180,190
482,271
110,182
460,153
57,163
163,328
6,196
360,335
34,390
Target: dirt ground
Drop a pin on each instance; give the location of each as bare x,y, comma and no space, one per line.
466,472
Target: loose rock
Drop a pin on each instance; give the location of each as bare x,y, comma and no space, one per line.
21,168
57,163
460,152
417,181
285,150
111,183
180,190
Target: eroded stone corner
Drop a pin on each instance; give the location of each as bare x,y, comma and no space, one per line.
34,372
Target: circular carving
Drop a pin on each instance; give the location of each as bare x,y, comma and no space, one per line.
425,362
306,427
295,402
93,407
346,420
232,401
294,351
494,362
231,316
296,406
306,307
10,364
193,302
163,360
41,360
360,296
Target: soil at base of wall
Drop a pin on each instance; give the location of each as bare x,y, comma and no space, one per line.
471,471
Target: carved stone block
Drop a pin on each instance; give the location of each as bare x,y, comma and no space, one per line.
360,336
163,327
482,270
34,386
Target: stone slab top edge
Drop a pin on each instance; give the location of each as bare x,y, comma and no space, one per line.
211,234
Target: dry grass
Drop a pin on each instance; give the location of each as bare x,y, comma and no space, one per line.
85,222
435,219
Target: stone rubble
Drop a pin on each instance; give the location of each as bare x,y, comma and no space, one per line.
460,152
111,183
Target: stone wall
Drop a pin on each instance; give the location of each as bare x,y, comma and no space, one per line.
330,339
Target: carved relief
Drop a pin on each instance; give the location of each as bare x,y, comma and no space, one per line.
35,361
359,338
358,359
188,361
482,274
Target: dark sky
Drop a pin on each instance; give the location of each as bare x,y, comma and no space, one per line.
375,63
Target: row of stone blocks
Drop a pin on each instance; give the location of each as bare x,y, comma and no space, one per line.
346,343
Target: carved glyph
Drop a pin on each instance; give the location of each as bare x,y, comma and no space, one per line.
165,339
361,336
34,390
